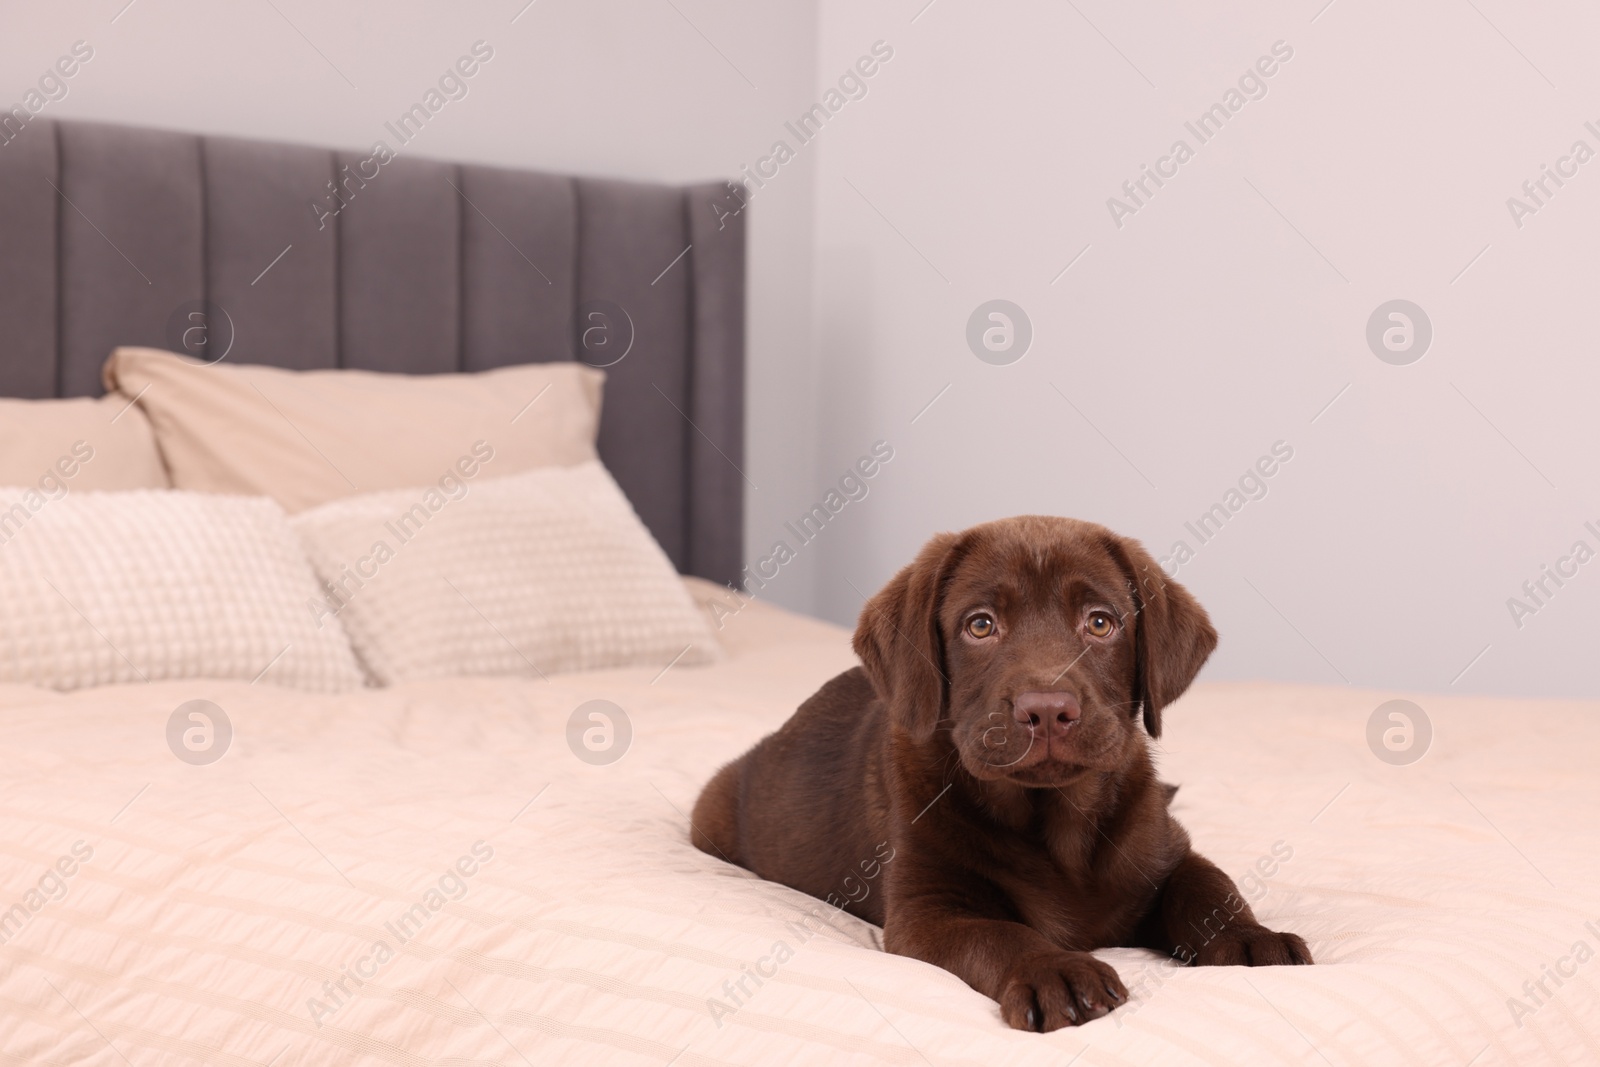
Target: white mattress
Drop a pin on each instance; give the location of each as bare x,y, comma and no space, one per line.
220,898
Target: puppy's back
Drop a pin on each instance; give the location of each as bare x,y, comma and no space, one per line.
806,805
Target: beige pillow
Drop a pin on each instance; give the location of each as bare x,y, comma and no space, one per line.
103,588
82,443
307,437
542,572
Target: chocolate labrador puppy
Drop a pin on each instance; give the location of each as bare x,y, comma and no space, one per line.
988,760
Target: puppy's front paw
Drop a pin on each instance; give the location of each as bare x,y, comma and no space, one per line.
1252,946
1056,989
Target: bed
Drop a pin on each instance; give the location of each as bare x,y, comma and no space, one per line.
432,872
217,906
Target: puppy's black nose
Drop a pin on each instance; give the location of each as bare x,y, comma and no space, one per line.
1046,713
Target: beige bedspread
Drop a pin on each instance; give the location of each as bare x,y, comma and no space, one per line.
429,875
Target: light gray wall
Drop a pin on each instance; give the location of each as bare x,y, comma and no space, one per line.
690,90
1229,312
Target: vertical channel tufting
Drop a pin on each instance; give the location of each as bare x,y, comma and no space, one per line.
399,265
461,279
58,285
29,270
519,237
208,350
631,270
716,459
270,254
336,232
130,242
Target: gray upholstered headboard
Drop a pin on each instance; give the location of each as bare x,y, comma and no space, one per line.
341,259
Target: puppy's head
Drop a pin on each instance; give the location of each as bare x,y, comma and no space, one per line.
1038,643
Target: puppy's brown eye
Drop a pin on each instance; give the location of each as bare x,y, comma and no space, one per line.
1101,624
981,626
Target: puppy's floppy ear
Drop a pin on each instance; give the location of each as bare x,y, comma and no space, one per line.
1173,636
899,642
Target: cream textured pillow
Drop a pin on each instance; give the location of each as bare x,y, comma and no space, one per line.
98,588
537,573
82,443
307,437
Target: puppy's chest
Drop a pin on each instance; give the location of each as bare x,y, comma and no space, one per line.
1081,896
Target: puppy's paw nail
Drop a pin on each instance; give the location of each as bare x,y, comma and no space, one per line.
1033,1018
